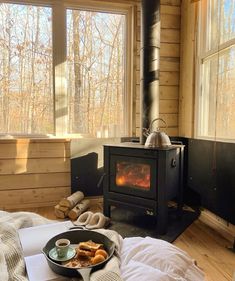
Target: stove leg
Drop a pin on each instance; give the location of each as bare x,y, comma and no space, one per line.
106,209
162,219
180,207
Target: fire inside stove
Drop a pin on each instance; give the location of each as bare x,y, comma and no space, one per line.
133,175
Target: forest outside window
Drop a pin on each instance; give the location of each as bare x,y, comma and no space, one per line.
63,69
26,82
216,91
95,72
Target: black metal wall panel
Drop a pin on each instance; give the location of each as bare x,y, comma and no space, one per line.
211,173
85,175
225,180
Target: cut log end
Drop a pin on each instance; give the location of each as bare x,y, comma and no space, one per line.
60,213
72,200
79,209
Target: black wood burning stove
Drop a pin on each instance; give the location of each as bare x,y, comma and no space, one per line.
143,179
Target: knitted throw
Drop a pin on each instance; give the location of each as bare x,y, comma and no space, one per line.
12,265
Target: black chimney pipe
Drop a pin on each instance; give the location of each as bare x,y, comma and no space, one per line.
149,63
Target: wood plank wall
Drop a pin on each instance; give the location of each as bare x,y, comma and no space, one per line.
169,65
33,172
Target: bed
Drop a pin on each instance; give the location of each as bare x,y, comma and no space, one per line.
138,259
154,259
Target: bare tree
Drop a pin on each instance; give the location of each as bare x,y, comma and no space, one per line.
95,70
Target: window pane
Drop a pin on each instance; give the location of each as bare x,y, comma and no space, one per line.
216,117
227,21
210,13
26,93
218,23
207,101
95,56
226,95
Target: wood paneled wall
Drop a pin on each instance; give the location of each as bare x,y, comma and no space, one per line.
33,172
169,65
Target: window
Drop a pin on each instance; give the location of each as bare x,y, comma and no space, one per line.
95,72
63,69
216,91
26,84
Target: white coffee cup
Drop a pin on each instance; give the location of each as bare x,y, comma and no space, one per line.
62,247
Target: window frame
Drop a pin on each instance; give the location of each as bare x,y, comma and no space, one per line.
59,8
201,57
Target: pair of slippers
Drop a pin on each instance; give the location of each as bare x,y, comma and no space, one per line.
90,220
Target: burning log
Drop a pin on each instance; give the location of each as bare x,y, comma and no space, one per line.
134,175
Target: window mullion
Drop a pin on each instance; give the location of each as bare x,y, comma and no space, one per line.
226,44
129,111
59,69
217,50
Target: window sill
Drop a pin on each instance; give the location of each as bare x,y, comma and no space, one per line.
216,139
32,138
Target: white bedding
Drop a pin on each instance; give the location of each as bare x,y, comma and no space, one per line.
142,259
149,259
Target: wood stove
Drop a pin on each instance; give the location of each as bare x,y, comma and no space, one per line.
139,178
143,179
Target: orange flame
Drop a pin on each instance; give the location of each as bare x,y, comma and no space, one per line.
133,175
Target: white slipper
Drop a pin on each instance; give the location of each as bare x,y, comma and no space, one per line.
98,220
84,218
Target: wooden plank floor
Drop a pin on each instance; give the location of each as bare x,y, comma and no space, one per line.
201,242
210,250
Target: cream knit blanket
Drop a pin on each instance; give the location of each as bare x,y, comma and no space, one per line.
12,266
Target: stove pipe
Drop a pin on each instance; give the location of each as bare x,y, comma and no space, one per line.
149,63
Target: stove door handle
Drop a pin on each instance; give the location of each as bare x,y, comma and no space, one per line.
100,182
173,163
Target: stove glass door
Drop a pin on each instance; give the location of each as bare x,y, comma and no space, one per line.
133,175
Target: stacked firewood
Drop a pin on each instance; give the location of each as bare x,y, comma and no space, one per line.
72,206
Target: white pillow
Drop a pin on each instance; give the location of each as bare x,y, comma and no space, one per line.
154,259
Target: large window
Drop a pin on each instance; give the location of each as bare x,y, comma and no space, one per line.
95,72
26,85
216,80
63,69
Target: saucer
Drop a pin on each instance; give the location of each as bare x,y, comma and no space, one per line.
54,256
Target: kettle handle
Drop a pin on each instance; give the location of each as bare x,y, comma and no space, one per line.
158,128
